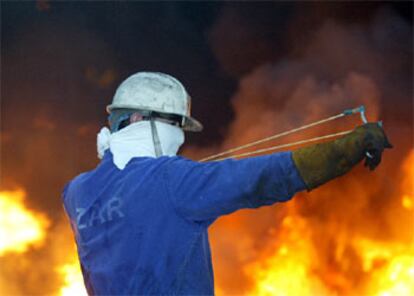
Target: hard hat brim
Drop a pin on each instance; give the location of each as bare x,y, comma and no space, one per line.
190,124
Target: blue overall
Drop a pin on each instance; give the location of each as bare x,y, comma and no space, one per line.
143,230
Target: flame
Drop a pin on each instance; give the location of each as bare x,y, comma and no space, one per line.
68,270
382,267
407,200
73,281
22,227
397,277
289,270
390,267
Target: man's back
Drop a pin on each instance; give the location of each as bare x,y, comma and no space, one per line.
130,238
143,229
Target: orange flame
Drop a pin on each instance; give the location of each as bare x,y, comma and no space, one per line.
396,277
390,267
385,268
20,226
289,270
73,281
23,228
407,199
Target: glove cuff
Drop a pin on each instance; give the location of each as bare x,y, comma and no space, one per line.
320,163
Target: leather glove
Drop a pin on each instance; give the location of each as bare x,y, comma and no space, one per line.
319,163
375,141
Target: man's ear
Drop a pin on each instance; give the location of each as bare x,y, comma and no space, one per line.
135,117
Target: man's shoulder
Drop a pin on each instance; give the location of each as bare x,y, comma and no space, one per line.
179,163
159,161
80,178
75,183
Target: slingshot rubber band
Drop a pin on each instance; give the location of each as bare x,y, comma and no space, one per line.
272,148
219,156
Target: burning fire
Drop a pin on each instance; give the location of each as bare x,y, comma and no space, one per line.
390,266
73,281
407,200
396,278
382,268
20,227
288,270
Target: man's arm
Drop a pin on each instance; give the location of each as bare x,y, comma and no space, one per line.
204,191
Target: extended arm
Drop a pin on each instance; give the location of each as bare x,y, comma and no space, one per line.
203,191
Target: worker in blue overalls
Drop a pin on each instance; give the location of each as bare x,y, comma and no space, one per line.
140,218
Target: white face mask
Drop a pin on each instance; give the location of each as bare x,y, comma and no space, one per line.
136,140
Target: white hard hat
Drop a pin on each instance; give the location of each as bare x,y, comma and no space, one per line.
157,92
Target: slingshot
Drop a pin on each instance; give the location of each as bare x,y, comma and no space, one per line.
225,154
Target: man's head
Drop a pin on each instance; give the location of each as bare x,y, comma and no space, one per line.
152,97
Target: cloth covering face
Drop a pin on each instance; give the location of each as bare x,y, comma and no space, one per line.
143,230
136,140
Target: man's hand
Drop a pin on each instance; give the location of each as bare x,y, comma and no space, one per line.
319,163
374,141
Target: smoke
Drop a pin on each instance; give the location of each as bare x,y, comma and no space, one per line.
243,37
54,81
339,66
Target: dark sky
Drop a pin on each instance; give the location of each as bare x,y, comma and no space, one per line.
61,63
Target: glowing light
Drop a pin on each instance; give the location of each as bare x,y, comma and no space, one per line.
73,281
408,202
396,278
20,227
288,271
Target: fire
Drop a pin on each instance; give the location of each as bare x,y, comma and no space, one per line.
73,281
390,267
407,200
68,269
22,227
289,270
360,265
396,278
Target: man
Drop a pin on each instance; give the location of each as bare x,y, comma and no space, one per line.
141,217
